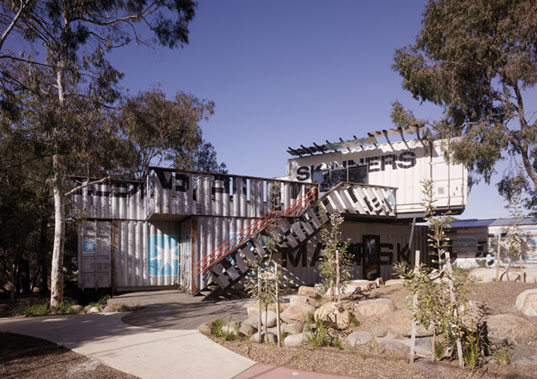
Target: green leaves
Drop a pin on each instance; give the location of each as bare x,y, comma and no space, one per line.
474,58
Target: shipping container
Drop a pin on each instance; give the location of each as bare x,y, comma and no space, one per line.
169,229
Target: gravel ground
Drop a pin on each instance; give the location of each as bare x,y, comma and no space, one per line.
500,298
27,357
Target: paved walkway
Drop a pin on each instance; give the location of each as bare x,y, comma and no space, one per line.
158,341
144,352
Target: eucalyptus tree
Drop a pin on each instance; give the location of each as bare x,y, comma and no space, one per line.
476,60
72,86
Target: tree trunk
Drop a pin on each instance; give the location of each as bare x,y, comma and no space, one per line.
56,274
454,304
56,270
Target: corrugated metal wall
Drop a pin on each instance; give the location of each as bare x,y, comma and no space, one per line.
402,165
301,266
185,193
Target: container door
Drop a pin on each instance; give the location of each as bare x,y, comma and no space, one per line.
95,262
371,257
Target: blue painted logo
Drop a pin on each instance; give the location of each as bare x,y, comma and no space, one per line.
89,247
163,255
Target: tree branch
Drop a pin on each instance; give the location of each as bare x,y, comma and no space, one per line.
13,22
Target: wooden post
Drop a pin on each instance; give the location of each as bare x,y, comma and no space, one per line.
498,252
338,278
414,304
259,305
276,274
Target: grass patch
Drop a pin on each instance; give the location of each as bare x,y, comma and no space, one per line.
221,330
35,308
502,355
354,320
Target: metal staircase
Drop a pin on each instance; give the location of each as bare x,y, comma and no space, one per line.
293,227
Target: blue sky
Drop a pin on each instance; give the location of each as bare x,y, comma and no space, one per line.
285,73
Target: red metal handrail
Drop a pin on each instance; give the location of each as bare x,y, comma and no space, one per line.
253,228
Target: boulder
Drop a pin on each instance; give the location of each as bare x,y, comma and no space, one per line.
76,308
353,287
231,328
251,321
392,346
299,299
109,309
524,355
483,274
255,338
379,331
512,328
334,313
374,307
423,346
297,312
295,327
205,328
526,302
295,340
270,319
94,309
270,338
401,322
252,309
358,338
394,282
307,291
247,330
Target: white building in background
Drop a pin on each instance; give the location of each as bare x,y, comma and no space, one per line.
187,230
475,242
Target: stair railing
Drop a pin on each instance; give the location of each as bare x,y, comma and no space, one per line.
254,228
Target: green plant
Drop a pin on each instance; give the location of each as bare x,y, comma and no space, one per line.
322,334
336,261
216,327
354,320
439,350
222,330
65,306
502,355
310,319
36,308
472,349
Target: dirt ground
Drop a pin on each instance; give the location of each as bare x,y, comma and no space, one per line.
500,298
27,357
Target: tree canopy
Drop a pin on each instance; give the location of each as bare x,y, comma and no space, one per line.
476,59
61,94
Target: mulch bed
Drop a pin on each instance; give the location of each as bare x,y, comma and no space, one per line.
28,357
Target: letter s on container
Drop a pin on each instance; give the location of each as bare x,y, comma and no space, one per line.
407,159
303,173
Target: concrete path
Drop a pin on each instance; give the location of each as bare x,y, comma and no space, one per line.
172,309
144,352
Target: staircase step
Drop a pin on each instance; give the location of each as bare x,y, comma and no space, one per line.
297,230
248,253
218,275
241,264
